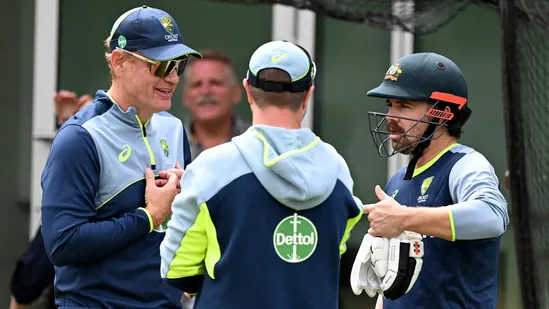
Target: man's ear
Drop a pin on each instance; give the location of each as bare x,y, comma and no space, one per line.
247,89
117,59
308,96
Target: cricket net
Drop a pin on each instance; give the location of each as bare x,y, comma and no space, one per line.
525,46
525,58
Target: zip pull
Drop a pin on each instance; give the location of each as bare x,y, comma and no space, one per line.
146,141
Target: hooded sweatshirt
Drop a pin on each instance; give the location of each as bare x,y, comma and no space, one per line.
262,222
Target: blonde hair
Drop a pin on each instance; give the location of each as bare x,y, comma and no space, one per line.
108,56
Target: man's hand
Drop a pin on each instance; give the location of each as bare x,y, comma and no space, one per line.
387,266
385,216
164,176
67,103
158,200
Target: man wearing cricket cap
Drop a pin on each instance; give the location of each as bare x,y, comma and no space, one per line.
262,220
113,171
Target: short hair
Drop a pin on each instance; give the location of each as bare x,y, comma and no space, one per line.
107,43
452,130
263,98
214,55
108,54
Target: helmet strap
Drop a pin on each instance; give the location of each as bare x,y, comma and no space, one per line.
418,152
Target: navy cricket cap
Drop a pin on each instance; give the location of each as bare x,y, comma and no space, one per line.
285,56
150,31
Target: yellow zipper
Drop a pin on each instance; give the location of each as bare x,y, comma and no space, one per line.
144,136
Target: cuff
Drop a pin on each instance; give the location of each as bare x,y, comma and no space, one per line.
150,218
452,226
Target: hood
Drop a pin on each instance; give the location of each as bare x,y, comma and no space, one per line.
294,166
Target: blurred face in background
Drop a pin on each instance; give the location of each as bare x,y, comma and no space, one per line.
210,90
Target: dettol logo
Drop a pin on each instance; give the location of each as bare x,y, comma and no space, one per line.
295,239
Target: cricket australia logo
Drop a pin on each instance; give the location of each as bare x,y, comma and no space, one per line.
424,187
167,23
393,72
165,147
295,239
166,151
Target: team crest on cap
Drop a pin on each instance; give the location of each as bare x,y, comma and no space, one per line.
393,72
167,23
122,41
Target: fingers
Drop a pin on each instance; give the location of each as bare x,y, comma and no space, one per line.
178,166
177,172
64,95
166,174
381,195
149,176
172,180
368,208
372,232
161,182
85,98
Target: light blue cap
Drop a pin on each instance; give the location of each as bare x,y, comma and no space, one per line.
286,56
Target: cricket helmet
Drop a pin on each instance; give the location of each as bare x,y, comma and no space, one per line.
425,77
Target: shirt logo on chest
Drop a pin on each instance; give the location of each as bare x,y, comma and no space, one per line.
125,153
424,187
165,147
166,150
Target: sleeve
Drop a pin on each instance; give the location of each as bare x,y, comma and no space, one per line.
357,209
188,249
33,272
70,182
186,150
481,210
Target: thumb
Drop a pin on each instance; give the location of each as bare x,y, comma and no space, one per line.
177,165
381,195
149,176
172,181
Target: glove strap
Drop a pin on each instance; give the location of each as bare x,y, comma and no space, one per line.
400,275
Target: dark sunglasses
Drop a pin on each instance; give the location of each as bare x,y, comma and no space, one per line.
163,68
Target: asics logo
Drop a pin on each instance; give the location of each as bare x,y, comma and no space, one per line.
278,57
125,153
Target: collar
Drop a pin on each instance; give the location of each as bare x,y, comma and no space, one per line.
128,117
424,167
238,126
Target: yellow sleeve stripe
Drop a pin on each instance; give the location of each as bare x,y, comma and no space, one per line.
452,226
150,218
350,225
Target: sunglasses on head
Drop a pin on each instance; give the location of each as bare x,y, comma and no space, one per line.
162,68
